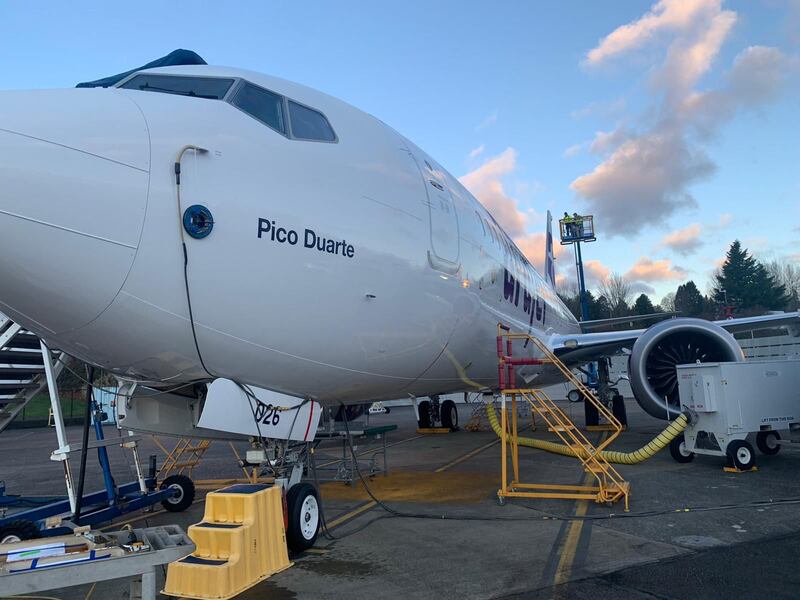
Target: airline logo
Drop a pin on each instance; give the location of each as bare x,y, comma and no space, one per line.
533,306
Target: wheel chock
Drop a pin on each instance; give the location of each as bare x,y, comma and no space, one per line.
240,542
432,430
735,470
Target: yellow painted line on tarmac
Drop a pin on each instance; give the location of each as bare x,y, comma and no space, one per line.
467,456
352,514
568,550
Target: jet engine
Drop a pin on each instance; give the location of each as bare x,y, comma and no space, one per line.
651,366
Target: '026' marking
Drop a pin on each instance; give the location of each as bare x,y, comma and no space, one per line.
266,414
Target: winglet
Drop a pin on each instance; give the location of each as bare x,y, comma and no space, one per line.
549,258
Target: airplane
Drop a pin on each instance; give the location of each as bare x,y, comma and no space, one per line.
212,233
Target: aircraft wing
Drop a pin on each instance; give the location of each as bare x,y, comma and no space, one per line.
587,326
581,348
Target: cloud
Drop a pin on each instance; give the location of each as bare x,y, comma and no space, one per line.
684,241
604,109
485,184
573,150
595,272
490,120
647,269
664,16
532,246
643,181
608,141
639,287
476,152
646,172
726,219
758,76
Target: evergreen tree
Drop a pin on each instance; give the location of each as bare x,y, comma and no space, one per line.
744,282
601,309
573,303
688,300
643,305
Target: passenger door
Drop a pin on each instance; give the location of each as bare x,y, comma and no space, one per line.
444,252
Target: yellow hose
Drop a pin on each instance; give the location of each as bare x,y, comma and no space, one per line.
673,430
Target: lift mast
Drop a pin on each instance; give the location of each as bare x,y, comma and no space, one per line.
574,230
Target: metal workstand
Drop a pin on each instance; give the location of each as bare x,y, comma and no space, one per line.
366,439
166,544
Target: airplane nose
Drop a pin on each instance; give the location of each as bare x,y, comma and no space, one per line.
74,174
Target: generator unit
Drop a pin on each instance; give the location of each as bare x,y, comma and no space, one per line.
731,401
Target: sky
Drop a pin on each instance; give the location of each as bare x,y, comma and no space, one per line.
675,123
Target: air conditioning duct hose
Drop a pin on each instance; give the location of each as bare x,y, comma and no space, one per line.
662,440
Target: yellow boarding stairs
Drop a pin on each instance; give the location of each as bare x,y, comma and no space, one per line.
240,542
609,484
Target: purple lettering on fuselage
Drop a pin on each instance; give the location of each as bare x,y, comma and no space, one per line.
533,306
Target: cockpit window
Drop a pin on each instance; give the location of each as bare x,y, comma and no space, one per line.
212,88
309,124
261,104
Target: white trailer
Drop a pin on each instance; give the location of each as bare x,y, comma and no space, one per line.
731,401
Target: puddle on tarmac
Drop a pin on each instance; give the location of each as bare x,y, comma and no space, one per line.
327,565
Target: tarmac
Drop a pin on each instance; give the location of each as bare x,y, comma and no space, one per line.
693,530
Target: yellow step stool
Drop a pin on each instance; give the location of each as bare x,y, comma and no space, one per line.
240,542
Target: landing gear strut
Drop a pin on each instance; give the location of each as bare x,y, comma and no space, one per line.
287,461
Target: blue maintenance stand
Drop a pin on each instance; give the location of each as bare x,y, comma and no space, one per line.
39,517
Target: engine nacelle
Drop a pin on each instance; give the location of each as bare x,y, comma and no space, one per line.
651,366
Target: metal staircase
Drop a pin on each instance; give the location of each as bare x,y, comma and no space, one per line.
22,375
184,456
609,486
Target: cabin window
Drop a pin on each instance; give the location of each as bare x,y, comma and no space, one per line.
309,124
262,105
211,88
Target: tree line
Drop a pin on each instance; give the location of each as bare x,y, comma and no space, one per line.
742,286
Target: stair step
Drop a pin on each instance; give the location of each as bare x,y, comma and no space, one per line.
206,562
562,428
231,557
10,370
594,469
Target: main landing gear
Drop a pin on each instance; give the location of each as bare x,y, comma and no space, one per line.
429,412
605,389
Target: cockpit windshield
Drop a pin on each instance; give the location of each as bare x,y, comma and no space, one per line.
212,88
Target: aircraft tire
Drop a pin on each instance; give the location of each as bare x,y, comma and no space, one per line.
449,415
618,408
304,517
424,409
591,413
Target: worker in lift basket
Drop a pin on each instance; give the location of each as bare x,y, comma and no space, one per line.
577,225
568,228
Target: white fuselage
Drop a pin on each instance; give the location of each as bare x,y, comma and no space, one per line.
403,298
